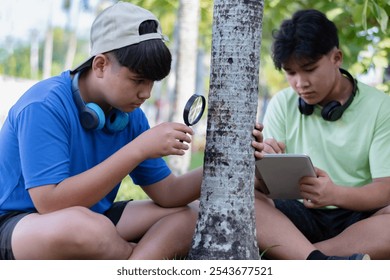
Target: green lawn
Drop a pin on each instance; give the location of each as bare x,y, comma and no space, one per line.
129,190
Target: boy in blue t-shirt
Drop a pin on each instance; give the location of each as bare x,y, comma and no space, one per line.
71,139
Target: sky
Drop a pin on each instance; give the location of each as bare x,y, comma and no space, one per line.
18,18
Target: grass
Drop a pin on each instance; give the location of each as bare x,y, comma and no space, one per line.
128,190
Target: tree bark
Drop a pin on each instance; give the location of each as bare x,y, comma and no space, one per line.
226,227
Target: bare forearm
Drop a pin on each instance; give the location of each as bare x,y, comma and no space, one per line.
87,188
176,191
369,197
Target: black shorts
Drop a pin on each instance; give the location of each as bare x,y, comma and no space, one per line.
319,224
8,222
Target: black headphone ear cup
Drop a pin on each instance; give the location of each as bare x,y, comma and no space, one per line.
116,120
304,108
332,111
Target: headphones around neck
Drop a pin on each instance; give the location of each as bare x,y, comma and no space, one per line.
92,117
333,110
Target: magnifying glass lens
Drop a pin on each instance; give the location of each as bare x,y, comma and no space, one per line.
194,109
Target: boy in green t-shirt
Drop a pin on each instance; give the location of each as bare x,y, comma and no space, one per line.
344,126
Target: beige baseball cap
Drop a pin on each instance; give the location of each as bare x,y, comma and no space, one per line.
117,27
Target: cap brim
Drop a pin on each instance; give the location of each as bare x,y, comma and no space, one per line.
82,66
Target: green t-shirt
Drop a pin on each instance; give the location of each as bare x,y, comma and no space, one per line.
352,150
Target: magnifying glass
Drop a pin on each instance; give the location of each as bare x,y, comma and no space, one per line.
194,109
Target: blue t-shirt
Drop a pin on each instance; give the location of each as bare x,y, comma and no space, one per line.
42,142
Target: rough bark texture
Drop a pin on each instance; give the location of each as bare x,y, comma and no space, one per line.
226,226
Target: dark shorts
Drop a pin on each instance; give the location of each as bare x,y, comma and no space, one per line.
8,222
319,224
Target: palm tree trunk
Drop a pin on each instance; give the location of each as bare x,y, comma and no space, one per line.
226,227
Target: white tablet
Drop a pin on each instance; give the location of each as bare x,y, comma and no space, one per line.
281,174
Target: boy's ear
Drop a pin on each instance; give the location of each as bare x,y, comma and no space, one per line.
338,57
99,64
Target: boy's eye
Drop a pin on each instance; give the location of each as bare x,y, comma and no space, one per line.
290,73
137,81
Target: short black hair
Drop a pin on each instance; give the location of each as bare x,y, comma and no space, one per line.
309,35
150,59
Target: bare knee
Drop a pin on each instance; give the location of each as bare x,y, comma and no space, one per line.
73,233
262,199
87,232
